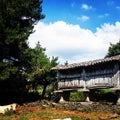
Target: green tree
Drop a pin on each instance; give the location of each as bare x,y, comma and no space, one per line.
114,49
41,73
17,20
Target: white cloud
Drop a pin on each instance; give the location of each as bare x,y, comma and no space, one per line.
83,18
109,33
86,7
73,43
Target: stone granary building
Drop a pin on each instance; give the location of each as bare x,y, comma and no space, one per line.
89,76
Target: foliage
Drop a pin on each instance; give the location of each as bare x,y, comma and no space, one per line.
50,94
15,30
21,66
117,111
17,19
41,73
55,97
114,49
106,95
77,96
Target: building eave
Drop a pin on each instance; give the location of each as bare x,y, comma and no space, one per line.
87,63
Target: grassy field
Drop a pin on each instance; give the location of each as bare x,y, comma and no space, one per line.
37,113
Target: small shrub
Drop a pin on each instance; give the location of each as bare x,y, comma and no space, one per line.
77,96
49,90
9,112
106,95
117,111
55,97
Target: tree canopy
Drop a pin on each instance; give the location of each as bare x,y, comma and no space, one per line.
17,20
41,73
113,50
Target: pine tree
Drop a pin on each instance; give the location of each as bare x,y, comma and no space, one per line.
41,73
17,20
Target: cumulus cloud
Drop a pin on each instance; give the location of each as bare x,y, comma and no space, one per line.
86,7
83,18
73,43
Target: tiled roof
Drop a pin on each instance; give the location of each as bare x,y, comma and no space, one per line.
88,63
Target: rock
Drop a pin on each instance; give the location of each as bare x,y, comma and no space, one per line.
80,106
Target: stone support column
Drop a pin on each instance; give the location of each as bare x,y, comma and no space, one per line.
64,96
61,99
118,96
87,94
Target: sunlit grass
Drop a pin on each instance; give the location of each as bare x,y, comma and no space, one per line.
37,113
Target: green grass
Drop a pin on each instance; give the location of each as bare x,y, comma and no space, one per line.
77,118
77,96
42,115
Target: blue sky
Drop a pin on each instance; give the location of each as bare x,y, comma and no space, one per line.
78,30
89,14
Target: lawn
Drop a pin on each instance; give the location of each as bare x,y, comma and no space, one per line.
40,113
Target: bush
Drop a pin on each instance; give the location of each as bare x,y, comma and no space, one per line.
77,96
106,95
55,97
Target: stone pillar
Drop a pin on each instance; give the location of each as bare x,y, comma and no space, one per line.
64,96
87,96
61,99
118,96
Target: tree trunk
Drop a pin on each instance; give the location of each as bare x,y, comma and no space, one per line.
44,91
